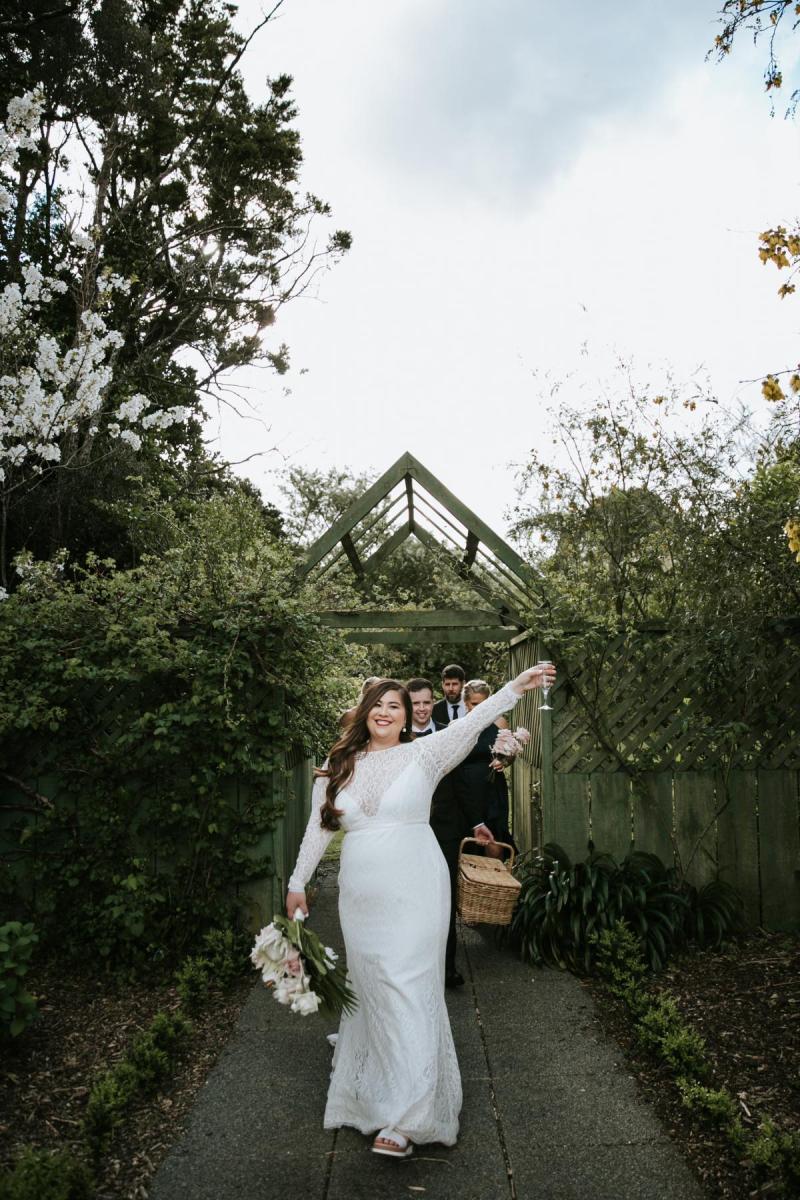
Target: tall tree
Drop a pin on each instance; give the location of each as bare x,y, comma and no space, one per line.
152,165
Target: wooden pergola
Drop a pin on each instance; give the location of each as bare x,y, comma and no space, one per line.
409,501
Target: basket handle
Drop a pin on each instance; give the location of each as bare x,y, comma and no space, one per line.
509,862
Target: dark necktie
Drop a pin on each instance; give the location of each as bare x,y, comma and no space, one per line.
455,713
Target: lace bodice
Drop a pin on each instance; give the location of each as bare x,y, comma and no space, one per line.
396,785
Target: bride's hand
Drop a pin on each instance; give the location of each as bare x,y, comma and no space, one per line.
534,677
295,900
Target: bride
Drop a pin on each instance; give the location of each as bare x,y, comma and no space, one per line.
394,1067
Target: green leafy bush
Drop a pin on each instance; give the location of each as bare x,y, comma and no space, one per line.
17,1005
776,1152
153,710
619,962
139,1073
222,960
563,907
713,913
715,1103
226,952
39,1175
661,1029
193,981
108,1099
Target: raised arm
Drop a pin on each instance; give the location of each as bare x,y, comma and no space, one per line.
447,748
313,846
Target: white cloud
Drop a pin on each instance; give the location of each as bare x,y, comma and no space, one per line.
641,237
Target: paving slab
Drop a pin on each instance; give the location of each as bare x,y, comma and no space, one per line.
550,1110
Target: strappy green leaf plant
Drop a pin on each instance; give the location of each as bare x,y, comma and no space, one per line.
564,906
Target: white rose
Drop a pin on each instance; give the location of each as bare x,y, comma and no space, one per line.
305,1003
287,990
269,948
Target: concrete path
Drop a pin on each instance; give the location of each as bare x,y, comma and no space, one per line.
550,1112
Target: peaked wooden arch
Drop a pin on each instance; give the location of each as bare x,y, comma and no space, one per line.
409,501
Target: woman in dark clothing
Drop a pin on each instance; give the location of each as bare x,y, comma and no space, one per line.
478,781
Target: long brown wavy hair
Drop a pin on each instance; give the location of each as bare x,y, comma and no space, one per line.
354,739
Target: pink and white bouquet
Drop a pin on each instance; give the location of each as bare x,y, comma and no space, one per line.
300,971
507,746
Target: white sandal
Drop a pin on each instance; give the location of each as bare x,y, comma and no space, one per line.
392,1137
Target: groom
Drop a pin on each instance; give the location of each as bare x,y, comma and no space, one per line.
451,706
451,819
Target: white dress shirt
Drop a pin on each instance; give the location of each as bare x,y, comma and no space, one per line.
429,728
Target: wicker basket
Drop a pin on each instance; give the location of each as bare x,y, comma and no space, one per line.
487,891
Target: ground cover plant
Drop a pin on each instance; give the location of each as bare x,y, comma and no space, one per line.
714,1041
93,1093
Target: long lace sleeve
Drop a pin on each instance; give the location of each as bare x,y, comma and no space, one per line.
445,749
314,843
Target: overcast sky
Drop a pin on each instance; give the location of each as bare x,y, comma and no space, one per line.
532,188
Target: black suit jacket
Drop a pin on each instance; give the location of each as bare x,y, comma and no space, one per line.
454,815
441,712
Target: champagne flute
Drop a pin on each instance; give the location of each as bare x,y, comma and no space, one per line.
545,687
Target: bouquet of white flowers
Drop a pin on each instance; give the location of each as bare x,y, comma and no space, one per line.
507,746
301,971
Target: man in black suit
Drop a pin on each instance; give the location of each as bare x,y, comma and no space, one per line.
452,817
452,706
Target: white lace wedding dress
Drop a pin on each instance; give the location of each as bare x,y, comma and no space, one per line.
395,1063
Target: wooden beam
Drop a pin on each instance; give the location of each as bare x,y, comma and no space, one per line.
352,555
503,609
389,546
405,637
410,618
468,518
410,496
473,541
356,512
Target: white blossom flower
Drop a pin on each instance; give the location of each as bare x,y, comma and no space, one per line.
305,1003
82,239
131,409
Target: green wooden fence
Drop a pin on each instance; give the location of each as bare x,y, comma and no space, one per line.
729,812
259,898
292,794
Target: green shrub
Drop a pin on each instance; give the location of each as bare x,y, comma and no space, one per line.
714,913
108,1099
150,1063
144,1067
564,907
226,953
39,1175
169,1031
195,673
619,962
17,1005
775,1152
661,1029
717,1105
193,981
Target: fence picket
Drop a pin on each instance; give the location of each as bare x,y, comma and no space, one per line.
695,828
737,832
779,848
567,821
611,813
652,815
